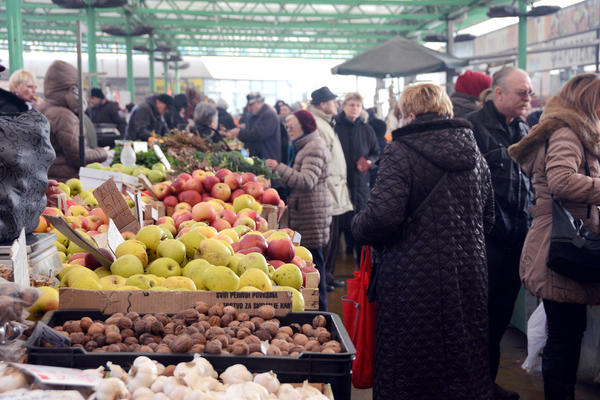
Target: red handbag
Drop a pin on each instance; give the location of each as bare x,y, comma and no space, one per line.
359,319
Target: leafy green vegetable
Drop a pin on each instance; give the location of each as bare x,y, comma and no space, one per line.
235,161
145,158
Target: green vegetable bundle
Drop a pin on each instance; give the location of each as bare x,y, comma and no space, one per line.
235,161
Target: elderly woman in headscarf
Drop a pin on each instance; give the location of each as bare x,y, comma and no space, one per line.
309,201
206,123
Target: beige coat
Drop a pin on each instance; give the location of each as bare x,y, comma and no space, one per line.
561,172
309,202
336,183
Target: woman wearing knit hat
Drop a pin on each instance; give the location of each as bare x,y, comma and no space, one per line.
309,200
469,86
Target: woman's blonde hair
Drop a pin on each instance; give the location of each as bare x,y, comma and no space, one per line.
352,96
582,93
20,77
425,98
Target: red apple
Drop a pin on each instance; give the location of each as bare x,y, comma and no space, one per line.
233,180
193,184
183,206
219,224
161,190
254,240
75,257
170,201
184,177
250,214
249,250
222,173
92,263
254,189
182,232
236,193
204,212
182,218
235,246
199,174
165,220
100,213
307,270
281,249
270,196
209,182
127,235
179,212
228,215
91,223
177,186
221,191
52,211
276,263
248,177
206,197
191,197
299,262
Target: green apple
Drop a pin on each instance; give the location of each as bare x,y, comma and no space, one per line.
159,289
127,266
173,249
87,283
141,281
159,167
75,185
151,236
63,186
102,272
165,267
179,282
95,165
133,247
191,240
111,282
156,176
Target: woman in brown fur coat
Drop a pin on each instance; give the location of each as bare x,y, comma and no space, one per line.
570,125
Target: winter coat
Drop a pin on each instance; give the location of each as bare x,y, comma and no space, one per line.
26,154
560,172
144,120
108,113
512,189
337,181
358,140
225,119
262,136
60,108
309,202
431,275
464,104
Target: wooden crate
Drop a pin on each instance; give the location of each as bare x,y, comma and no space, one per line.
311,298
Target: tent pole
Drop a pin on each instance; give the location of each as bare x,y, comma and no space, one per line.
450,51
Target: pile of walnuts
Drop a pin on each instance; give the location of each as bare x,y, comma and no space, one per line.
206,329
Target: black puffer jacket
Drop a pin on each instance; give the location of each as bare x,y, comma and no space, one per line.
513,194
144,120
26,154
262,137
358,140
107,113
464,104
431,279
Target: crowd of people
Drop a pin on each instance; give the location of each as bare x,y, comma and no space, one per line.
457,206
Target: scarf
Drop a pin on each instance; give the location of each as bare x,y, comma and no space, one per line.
292,150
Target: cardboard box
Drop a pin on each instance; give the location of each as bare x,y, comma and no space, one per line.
143,302
92,178
272,214
312,280
311,298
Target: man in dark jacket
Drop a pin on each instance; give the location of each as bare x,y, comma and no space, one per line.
225,119
496,126
147,117
469,86
262,136
103,111
361,151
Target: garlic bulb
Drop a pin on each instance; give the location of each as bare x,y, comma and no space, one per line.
12,379
143,393
160,396
179,392
115,371
199,395
143,373
237,373
247,391
157,386
172,383
206,384
268,380
111,389
309,392
288,392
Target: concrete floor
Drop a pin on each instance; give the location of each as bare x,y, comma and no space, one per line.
514,352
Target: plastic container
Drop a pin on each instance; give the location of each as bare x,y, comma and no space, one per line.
127,156
335,369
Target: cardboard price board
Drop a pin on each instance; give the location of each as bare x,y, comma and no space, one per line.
144,302
112,202
61,225
58,376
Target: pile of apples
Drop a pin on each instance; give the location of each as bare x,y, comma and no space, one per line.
223,185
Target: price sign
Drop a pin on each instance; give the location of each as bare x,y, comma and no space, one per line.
112,202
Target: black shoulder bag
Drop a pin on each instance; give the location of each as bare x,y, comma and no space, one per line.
574,251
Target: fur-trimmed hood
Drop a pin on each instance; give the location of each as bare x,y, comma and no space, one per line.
557,115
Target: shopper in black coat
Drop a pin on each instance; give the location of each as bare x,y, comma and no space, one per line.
147,117
225,119
361,151
103,111
430,277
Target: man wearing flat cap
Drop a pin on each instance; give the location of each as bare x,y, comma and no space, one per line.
262,137
103,111
147,117
323,107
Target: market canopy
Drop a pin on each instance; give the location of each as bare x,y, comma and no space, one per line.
398,57
281,28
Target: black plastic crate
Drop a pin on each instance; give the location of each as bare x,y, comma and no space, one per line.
335,369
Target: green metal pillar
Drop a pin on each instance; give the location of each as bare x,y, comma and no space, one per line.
15,34
522,53
166,70
91,45
128,42
151,55
177,86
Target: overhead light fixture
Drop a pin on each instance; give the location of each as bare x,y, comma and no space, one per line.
435,39
542,11
512,11
466,37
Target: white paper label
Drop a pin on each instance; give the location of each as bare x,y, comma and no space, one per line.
18,256
114,236
161,157
58,375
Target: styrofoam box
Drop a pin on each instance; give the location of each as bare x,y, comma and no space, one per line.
92,178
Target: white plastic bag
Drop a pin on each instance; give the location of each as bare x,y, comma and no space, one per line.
536,340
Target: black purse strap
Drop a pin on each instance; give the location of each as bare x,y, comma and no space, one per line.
587,171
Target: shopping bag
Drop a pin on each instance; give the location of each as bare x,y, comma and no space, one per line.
536,340
359,319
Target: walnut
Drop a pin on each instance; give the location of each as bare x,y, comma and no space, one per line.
283,336
214,331
130,340
205,324
134,348
307,329
287,330
323,336
153,346
230,310
328,350
254,347
113,320
256,353
296,349
319,321
190,316
296,328
243,316
231,332
199,327
235,324
139,326
240,348
190,330
275,321
224,339
169,328
113,335
198,338
300,339
213,347
125,333
133,316
146,339
312,345
163,348
179,329
333,344
252,339
243,332
273,350
72,326
85,323
197,348
169,370
217,310
266,312
95,328
263,334
258,321
226,319
123,347
181,344
156,328
113,348
146,349
77,337
125,323
270,327
162,318
202,307
168,339
99,338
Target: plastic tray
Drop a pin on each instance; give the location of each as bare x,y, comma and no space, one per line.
335,369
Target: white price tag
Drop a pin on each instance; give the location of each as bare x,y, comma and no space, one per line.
18,256
161,157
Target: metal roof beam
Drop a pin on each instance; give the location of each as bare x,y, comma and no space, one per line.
283,25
